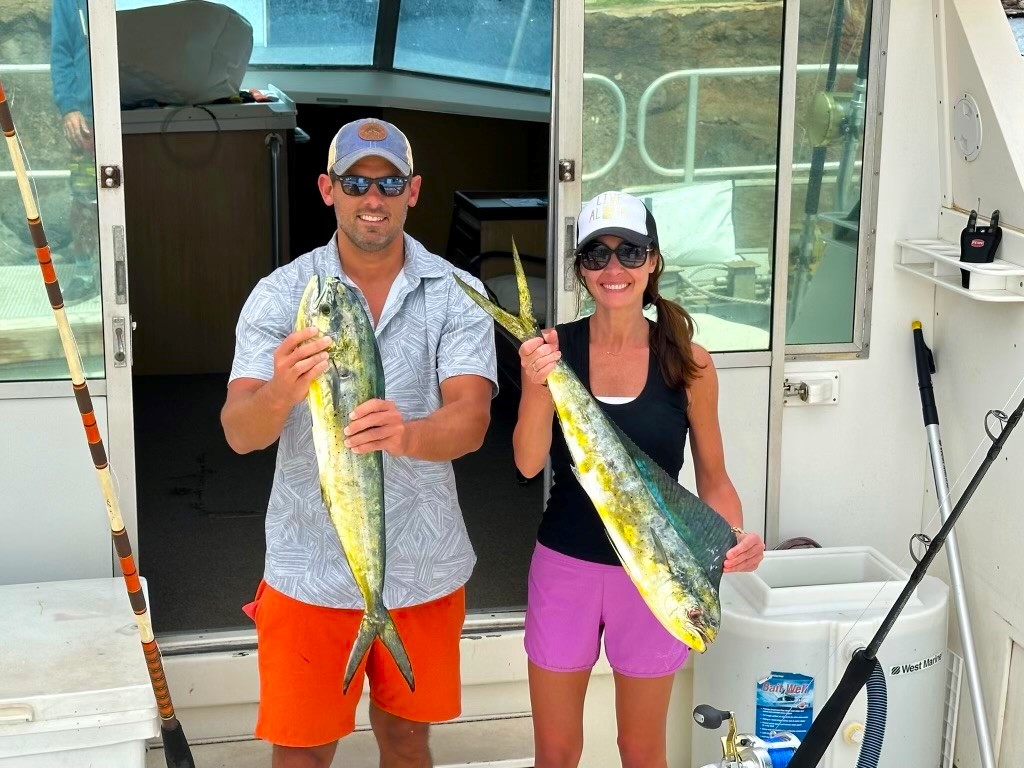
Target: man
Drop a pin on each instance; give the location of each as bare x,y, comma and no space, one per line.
72,94
437,349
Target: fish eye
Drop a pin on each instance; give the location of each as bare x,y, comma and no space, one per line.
344,373
695,613
325,309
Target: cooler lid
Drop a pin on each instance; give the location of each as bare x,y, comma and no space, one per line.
70,649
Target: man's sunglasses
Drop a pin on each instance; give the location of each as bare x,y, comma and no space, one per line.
597,255
357,186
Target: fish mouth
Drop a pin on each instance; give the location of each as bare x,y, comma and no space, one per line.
698,638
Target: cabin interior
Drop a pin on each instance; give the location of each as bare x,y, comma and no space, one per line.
797,155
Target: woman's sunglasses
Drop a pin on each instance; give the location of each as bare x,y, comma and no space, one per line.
597,255
357,186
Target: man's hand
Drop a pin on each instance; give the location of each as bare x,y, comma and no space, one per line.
746,555
376,425
77,131
297,361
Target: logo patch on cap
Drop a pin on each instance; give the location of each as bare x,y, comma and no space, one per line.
372,132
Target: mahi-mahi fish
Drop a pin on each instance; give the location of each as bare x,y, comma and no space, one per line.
352,484
670,542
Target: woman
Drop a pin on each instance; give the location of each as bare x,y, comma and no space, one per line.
656,385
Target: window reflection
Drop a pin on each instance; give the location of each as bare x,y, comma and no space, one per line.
506,42
49,90
1015,15
303,32
681,109
827,179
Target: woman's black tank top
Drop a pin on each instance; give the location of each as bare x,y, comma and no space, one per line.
655,420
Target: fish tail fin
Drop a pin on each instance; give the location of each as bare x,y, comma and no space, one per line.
393,642
522,327
378,623
364,638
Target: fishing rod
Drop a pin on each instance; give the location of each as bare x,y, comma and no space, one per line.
176,750
925,368
865,661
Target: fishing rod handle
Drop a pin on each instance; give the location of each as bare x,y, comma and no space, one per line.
925,363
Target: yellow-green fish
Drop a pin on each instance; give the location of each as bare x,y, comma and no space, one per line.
352,484
670,542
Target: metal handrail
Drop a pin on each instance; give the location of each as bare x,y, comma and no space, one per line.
21,69
38,174
32,69
688,171
620,143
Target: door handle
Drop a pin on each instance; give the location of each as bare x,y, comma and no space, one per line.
12,714
120,343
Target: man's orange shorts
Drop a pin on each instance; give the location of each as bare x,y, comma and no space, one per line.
303,650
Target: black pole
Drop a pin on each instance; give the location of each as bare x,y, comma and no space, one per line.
925,368
827,723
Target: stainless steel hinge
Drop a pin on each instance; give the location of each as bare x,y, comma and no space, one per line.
110,176
567,170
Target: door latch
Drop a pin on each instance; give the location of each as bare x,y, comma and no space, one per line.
811,388
120,267
567,170
795,389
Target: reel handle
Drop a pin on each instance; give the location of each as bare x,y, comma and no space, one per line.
709,717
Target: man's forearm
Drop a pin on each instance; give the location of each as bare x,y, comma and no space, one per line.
449,432
254,420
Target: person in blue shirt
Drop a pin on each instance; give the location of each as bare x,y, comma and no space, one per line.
72,94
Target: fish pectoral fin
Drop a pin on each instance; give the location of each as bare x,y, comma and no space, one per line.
576,474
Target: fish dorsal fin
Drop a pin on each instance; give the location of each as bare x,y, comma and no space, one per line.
706,533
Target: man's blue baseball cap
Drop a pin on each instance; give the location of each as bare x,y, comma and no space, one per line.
369,137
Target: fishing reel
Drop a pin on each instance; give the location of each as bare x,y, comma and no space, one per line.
745,750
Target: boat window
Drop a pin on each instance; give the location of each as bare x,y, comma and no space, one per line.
680,108
50,96
1015,15
827,278
302,32
502,42
495,41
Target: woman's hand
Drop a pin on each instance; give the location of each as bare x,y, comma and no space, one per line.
746,555
538,356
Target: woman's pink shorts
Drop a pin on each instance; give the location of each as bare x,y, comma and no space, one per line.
571,603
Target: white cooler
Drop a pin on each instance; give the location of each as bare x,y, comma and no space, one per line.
74,690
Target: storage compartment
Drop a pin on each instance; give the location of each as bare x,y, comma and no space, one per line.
206,210
74,690
788,632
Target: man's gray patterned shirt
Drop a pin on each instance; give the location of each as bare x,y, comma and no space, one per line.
429,330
